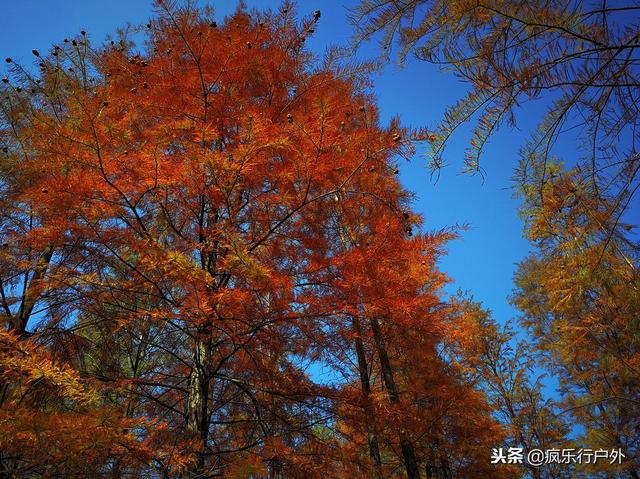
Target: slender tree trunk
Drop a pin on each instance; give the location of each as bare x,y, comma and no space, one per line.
198,399
408,452
365,384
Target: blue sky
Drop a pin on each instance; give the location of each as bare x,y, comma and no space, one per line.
483,260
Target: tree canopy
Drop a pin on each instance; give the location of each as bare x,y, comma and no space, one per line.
209,267
191,231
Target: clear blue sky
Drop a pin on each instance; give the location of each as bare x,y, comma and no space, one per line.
482,261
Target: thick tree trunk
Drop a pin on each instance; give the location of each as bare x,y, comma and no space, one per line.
29,296
408,452
365,384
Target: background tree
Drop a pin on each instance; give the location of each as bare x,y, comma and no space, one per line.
401,320
508,369
578,294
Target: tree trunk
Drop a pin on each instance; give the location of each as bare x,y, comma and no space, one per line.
408,453
365,384
198,399
29,296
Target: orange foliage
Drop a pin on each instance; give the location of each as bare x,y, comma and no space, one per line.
198,222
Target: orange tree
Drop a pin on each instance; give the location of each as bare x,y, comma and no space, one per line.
186,228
